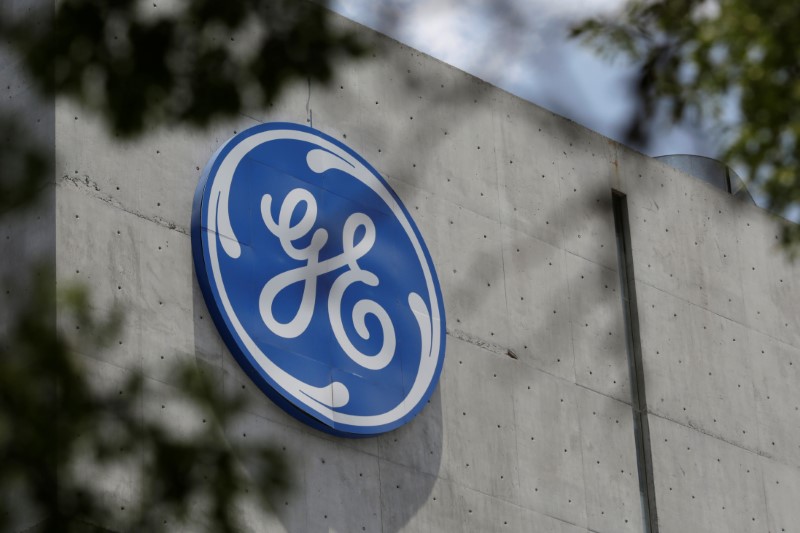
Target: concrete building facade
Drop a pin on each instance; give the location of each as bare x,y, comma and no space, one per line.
623,340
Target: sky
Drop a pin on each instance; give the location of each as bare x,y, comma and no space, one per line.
525,50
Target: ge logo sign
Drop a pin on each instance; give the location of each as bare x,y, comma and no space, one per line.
318,279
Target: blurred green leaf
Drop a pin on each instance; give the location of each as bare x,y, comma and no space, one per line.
714,59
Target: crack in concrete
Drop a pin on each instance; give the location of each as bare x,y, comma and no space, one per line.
481,343
84,182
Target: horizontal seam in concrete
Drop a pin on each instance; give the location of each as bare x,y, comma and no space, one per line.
503,352
746,326
245,115
717,437
592,261
91,186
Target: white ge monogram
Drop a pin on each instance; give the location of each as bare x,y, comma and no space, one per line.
308,274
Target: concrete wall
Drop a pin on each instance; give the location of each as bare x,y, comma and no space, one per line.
515,205
27,230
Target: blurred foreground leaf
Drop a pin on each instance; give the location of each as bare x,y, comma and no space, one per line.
733,63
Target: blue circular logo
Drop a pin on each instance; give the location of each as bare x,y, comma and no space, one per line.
318,279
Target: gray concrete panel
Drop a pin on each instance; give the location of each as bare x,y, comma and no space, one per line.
528,179
597,328
93,255
683,238
164,300
548,433
671,262
209,347
781,487
130,274
149,177
538,306
467,251
703,483
776,378
97,245
417,445
453,507
708,217
585,197
478,420
770,282
336,488
697,366
609,464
